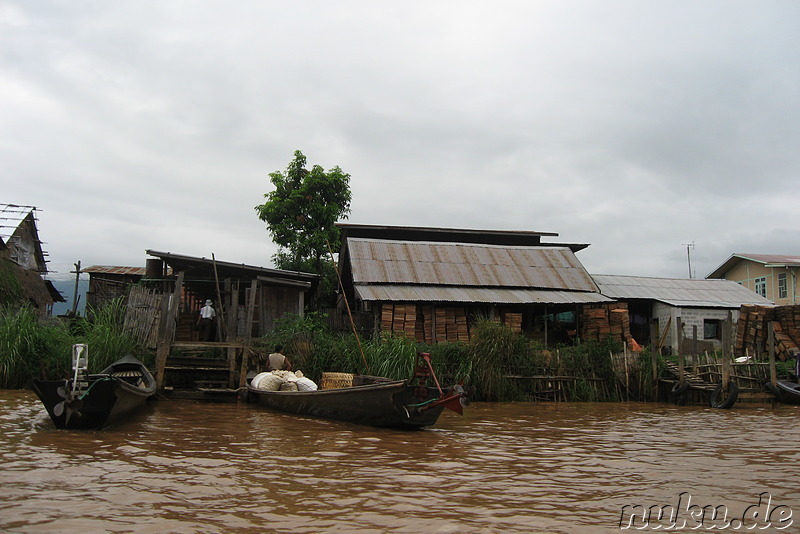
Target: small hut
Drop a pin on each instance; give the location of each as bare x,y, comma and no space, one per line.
23,263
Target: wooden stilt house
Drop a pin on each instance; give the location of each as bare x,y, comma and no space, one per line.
164,309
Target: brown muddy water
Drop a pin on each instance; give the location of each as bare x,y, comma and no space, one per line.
190,467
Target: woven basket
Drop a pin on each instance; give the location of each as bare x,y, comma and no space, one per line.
336,380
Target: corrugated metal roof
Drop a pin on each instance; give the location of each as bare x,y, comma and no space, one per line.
766,259
414,293
106,269
770,258
378,261
679,291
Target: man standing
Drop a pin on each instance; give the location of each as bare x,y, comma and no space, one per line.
206,322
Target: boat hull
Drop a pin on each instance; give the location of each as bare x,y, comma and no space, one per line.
114,394
393,404
788,392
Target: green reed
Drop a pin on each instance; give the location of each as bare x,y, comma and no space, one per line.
493,366
33,347
102,330
27,346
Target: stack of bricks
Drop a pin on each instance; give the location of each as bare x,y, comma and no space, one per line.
752,331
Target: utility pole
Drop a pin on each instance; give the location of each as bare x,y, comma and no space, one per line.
77,272
689,246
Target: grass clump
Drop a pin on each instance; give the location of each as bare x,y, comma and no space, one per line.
33,348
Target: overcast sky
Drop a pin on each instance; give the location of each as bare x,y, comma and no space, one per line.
637,127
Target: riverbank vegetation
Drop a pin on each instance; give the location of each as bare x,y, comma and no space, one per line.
31,348
496,365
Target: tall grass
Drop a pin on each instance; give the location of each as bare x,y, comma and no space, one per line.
31,348
27,347
493,366
102,330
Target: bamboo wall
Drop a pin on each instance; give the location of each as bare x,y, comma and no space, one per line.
143,314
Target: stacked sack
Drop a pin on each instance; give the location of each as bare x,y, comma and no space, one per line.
283,381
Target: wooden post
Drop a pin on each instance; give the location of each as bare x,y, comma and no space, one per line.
694,349
251,306
773,372
169,318
726,351
654,357
75,293
233,312
545,327
627,376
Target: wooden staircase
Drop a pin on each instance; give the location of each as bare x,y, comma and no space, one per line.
695,382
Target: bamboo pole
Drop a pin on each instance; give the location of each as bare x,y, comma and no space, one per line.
347,305
221,326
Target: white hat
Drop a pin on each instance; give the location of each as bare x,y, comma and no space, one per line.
208,302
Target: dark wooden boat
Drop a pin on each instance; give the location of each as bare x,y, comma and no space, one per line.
97,400
786,391
374,401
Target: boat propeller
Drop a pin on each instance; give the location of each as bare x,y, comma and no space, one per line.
72,392
71,404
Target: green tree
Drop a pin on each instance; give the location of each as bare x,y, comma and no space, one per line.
301,215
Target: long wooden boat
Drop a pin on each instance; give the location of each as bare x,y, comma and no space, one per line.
97,401
374,401
786,391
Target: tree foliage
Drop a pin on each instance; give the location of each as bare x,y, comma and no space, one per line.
301,215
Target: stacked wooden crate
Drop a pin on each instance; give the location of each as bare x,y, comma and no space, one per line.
425,323
513,321
752,331
598,322
399,319
451,325
425,327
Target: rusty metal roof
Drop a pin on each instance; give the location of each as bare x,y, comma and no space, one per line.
680,291
378,261
107,269
415,293
451,235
